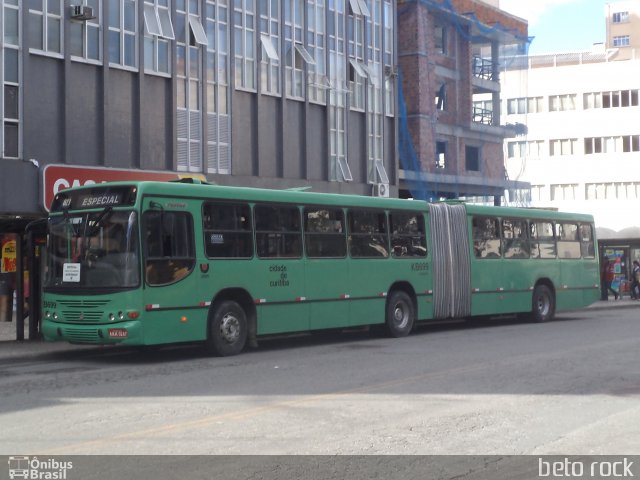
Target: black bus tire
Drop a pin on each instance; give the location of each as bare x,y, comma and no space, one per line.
227,332
543,304
400,314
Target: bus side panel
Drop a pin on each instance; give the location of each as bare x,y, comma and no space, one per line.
368,282
174,315
487,278
326,284
278,288
518,284
577,286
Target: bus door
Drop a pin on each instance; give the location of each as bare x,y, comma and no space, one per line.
327,267
172,279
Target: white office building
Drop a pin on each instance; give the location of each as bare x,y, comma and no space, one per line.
581,146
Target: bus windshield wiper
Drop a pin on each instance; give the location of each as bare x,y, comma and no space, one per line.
106,213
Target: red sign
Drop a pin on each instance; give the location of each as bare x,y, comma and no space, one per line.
60,177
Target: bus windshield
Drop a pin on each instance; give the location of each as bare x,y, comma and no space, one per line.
93,250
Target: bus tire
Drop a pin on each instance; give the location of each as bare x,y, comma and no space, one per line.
227,329
543,304
400,314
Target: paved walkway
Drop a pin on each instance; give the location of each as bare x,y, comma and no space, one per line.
8,329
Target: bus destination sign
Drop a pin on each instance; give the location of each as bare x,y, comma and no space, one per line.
97,197
97,200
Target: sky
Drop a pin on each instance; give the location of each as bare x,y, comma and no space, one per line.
561,25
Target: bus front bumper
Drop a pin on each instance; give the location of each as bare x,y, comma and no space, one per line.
124,333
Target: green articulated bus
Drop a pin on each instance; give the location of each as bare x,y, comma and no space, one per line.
149,263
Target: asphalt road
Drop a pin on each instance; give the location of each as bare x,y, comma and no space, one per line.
570,386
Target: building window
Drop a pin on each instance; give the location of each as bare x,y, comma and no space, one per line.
338,165
564,192
440,39
190,36
10,95
85,35
123,33
516,106
244,14
296,55
516,149
560,103
45,26
565,146
621,41
441,97
357,70
472,158
535,105
620,17
318,82
390,76
157,36
592,145
270,46
441,154
218,131
592,100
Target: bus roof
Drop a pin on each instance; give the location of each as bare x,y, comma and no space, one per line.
200,190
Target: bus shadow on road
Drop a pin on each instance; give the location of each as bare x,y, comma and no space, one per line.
356,338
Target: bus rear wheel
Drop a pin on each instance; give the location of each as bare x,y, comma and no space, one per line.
400,314
543,304
227,329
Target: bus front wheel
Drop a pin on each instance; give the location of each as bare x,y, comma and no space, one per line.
227,329
543,304
400,314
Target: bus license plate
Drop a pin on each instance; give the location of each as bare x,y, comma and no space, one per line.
118,333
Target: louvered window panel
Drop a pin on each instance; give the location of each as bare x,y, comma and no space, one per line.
224,160
183,155
194,127
212,158
183,128
212,128
195,160
223,129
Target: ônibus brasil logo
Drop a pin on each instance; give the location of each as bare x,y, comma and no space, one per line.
32,468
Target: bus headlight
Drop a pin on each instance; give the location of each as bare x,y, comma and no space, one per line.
47,314
55,316
120,316
112,317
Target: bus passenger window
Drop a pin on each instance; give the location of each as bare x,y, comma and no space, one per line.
515,241
368,234
407,234
587,248
486,237
324,233
543,240
278,232
227,230
568,242
169,247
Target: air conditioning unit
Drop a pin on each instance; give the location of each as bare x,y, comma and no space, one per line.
381,190
81,13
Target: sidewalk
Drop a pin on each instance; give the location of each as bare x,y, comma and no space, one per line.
8,329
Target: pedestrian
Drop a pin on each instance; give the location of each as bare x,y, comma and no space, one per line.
608,274
635,281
